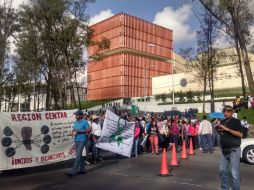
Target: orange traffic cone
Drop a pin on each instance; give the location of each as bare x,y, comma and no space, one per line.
191,151
174,161
164,164
184,154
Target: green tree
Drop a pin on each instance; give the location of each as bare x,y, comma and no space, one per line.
190,96
163,97
236,17
53,38
8,25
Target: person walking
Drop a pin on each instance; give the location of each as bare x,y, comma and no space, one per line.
136,137
216,135
245,127
230,139
192,133
80,129
153,133
95,135
175,132
205,132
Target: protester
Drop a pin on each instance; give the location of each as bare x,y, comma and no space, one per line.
198,134
136,137
216,135
175,132
184,131
80,129
192,134
230,139
94,137
205,132
245,127
153,133
141,135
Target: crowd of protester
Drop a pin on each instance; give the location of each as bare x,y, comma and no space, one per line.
152,133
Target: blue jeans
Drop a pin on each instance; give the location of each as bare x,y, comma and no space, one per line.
230,170
79,161
216,138
135,146
207,140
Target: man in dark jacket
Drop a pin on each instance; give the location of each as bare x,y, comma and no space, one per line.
230,139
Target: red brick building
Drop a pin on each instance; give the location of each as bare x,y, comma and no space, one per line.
139,50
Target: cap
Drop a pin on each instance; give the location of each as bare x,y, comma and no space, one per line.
86,113
78,112
93,117
228,108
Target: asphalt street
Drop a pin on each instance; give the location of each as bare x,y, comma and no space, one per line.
200,171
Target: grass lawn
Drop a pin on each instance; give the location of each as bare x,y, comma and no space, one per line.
249,113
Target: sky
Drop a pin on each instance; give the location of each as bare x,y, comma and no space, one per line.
177,15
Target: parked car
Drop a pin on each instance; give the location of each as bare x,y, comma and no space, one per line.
247,150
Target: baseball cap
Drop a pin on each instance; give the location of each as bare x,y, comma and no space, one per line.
78,112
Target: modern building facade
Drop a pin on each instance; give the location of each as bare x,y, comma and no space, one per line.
139,50
227,76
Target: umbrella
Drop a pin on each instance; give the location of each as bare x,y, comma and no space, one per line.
218,115
172,113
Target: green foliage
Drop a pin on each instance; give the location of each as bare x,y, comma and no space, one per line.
163,97
127,101
157,97
50,46
248,113
190,96
89,104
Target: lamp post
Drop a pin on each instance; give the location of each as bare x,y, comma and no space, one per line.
172,61
145,93
173,82
145,84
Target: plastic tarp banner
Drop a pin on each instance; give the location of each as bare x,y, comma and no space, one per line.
35,138
117,135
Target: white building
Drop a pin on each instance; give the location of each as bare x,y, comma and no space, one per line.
227,77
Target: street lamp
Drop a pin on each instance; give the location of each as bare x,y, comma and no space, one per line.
145,93
172,71
173,82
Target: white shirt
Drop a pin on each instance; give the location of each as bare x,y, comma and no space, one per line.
245,124
205,128
96,129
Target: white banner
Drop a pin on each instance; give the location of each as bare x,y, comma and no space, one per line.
117,135
35,138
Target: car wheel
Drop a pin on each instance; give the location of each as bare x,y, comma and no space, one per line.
248,154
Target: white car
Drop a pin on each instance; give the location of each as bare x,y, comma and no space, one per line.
247,150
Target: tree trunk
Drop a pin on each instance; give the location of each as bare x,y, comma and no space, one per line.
239,36
48,92
38,95
212,91
240,66
77,86
204,94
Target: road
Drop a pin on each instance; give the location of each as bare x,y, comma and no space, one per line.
200,171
